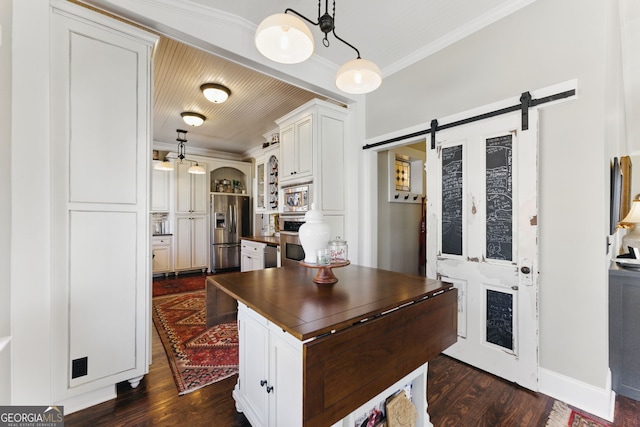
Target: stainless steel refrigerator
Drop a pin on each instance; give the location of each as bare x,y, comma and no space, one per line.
230,221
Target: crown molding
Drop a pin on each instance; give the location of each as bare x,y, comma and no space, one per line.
458,34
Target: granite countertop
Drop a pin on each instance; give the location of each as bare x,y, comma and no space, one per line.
269,240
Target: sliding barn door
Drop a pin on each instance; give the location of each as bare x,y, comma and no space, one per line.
482,237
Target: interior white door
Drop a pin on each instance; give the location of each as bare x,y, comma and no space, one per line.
482,237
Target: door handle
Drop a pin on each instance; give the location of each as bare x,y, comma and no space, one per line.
235,219
525,277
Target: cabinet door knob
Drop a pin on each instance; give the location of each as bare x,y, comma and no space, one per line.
269,389
525,270
263,383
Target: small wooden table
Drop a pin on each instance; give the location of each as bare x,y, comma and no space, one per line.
359,336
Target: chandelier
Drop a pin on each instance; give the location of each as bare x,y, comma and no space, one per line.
286,39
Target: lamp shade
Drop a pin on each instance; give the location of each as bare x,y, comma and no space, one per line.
197,170
215,93
632,238
633,217
193,119
284,38
358,76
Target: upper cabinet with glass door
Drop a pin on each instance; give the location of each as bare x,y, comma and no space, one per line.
266,196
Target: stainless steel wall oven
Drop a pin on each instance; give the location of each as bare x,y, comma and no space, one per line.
291,251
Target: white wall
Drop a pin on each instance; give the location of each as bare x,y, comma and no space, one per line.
5,195
543,44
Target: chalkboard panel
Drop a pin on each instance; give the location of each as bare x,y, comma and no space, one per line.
452,200
500,319
499,176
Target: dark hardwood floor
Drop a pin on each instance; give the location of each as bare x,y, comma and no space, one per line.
458,395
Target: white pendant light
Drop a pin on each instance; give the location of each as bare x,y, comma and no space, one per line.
284,38
196,169
358,76
193,119
182,139
215,93
164,165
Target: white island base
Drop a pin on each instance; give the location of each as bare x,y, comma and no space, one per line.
269,387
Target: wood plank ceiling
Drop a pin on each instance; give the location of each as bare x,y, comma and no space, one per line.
234,126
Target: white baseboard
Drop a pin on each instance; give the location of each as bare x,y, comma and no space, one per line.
86,400
597,401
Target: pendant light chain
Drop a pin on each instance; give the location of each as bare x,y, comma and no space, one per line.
182,139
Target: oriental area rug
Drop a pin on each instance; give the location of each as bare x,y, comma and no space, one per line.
562,415
178,284
198,356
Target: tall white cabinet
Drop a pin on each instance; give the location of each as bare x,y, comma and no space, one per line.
100,137
191,234
191,189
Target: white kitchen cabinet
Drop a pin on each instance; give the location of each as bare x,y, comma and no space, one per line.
296,141
251,258
191,243
191,220
191,189
267,175
160,190
162,254
257,255
270,393
101,149
312,148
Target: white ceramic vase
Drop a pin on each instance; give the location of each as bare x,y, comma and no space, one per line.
313,234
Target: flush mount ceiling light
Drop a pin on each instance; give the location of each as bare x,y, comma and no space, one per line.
215,93
193,119
182,139
287,39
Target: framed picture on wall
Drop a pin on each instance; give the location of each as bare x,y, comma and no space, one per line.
625,190
616,191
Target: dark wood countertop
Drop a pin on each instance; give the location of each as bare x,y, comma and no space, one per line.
288,297
269,240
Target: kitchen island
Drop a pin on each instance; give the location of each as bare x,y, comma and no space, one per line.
313,355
